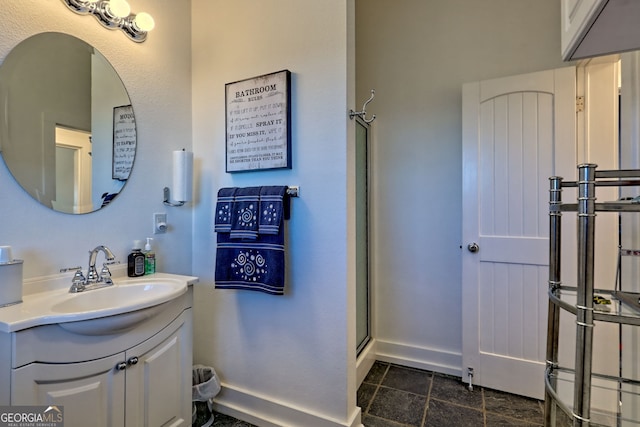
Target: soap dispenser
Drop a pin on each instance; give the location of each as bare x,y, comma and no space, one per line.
149,258
136,260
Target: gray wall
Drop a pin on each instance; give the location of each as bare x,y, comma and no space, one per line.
417,54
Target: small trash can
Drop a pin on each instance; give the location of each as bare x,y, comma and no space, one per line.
205,386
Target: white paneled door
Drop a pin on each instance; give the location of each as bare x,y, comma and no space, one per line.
517,132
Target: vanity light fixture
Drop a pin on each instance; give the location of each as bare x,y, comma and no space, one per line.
115,14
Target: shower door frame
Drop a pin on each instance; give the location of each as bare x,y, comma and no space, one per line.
362,343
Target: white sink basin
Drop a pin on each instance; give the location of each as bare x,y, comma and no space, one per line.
97,311
141,293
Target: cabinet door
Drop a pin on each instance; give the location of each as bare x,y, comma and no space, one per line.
158,386
91,393
577,16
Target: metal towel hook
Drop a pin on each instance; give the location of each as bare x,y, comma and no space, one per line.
363,113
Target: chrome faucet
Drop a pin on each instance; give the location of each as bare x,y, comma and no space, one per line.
80,283
92,273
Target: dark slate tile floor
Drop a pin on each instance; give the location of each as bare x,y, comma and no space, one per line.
222,420
397,396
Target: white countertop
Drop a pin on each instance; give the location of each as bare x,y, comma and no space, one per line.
41,296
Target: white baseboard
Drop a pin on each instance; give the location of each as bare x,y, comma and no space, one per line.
419,357
267,412
365,361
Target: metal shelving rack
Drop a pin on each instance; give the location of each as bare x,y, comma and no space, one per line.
578,300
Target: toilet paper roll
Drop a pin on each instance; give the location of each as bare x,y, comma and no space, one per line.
5,254
182,175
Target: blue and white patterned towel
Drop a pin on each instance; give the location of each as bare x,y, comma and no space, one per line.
222,223
244,216
250,244
271,208
253,265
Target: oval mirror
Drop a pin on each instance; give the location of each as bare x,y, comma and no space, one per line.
68,133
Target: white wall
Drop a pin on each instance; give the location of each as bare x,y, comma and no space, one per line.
417,56
157,74
285,360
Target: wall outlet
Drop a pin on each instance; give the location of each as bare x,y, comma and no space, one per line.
159,223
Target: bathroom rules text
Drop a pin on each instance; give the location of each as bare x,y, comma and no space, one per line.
257,123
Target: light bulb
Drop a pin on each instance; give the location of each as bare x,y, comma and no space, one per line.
144,21
119,8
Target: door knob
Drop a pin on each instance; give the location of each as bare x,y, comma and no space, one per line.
473,247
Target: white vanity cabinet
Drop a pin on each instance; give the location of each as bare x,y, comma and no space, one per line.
599,27
137,377
89,391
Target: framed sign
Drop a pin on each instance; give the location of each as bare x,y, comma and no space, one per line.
124,142
258,126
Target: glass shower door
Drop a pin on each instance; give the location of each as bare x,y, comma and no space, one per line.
363,305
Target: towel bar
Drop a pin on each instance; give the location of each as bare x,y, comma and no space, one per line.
293,191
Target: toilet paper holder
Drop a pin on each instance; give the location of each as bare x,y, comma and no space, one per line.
182,179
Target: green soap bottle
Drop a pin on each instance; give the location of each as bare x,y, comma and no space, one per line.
149,258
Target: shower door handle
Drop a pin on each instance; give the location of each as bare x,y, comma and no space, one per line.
473,247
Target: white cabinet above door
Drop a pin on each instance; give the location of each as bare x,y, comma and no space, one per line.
599,27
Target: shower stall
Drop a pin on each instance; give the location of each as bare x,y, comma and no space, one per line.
363,292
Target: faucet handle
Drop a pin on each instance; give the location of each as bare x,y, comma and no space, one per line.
105,274
78,282
78,277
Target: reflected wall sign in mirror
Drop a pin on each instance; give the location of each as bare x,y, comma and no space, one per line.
67,128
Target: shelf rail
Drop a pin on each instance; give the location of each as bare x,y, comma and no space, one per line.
586,207
553,322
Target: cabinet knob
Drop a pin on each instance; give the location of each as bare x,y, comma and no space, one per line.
473,247
132,360
121,366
